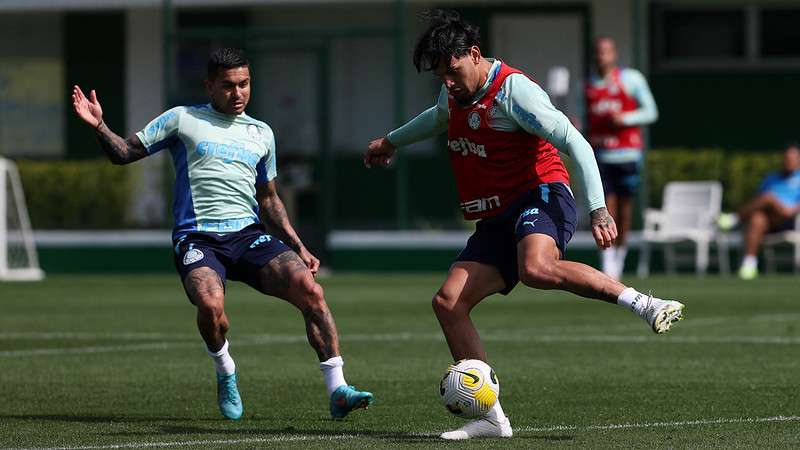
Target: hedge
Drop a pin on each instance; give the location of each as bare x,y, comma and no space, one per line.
94,194
739,172
87,194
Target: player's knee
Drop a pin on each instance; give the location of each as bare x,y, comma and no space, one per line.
444,304
538,275
308,291
210,305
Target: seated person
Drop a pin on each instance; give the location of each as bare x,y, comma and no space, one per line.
772,210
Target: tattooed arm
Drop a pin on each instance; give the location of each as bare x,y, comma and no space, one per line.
118,150
274,216
604,229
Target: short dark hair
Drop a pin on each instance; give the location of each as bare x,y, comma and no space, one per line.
791,144
448,35
225,58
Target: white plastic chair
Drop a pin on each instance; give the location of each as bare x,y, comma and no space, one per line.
689,213
772,240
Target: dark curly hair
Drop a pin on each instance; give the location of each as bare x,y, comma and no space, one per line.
448,35
225,58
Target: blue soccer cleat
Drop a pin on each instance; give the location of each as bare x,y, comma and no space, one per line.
230,403
346,398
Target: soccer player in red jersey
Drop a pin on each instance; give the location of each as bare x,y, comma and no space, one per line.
503,138
619,103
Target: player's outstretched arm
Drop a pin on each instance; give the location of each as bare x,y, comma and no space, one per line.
604,229
273,214
379,153
118,150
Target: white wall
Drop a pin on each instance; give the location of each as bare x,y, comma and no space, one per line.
144,100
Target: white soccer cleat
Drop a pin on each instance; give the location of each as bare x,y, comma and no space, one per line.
660,314
480,428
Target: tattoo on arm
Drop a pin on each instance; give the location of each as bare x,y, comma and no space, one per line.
601,218
119,150
273,214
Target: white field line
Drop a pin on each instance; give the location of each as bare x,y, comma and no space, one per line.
334,437
406,337
686,423
144,336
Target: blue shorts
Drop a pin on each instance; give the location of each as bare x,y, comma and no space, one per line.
620,179
237,256
548,210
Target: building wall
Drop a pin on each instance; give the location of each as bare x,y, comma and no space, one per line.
144,94
32,90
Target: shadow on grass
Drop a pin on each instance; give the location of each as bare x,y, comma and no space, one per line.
76,418
287,432
245,433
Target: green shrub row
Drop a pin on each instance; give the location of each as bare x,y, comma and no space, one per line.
739,172
94,194
87,194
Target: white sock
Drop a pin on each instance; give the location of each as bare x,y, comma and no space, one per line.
750,261
333,373
632,299
496,414
622,252
608,259
222,360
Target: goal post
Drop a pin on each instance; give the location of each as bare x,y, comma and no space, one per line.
18,259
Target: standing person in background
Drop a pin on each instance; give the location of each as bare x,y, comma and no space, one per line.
619,103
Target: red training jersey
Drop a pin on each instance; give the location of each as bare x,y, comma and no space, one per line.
602,103
492,167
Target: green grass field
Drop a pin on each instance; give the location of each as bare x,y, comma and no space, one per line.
116,362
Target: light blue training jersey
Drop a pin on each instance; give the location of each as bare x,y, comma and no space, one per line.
218,160
785,187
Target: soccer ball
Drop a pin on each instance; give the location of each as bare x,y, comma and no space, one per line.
469,389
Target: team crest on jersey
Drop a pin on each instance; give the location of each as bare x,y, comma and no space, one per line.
474,120
192,256
492,112
255,132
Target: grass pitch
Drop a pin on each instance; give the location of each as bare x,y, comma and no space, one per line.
116,362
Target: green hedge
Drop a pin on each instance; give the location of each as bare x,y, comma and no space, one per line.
93,194
739,172
76,194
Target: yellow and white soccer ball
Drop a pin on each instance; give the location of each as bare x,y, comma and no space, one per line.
469,389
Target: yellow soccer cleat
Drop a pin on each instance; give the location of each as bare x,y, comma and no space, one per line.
661,314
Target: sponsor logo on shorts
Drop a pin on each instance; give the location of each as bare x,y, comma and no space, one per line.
481,204
192,256
261,239
527,212
531,223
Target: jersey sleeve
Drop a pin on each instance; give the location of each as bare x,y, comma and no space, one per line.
636,85
162,131
429,123
526,103
266,169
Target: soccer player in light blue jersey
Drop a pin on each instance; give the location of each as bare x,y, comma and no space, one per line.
229,221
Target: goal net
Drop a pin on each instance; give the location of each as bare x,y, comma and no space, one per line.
18,260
